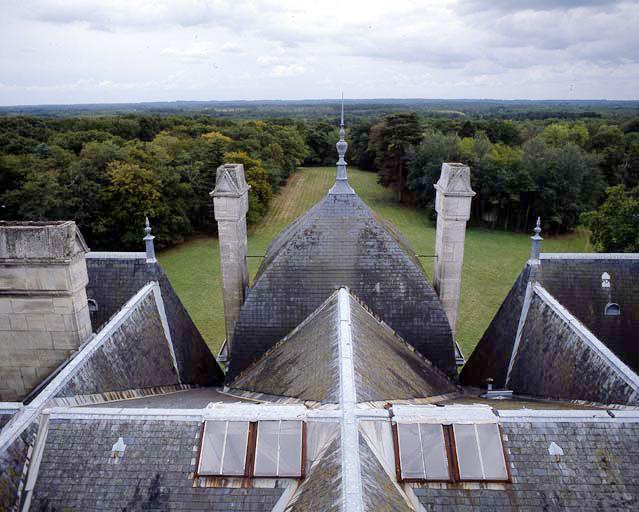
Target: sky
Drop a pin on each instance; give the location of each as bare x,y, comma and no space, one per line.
104,51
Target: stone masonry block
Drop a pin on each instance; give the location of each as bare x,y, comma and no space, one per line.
19,322
32,305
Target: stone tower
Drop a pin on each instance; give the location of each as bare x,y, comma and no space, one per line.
44,313
454,195
230,199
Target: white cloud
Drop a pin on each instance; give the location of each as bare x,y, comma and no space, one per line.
225,49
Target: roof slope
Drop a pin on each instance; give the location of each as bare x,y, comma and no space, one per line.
305,364
79,471
341,242
575,282
492,354
551,337
322,488
116,277
379,492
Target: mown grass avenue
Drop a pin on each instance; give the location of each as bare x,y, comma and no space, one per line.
492,259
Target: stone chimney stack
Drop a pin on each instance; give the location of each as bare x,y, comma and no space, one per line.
44,314
230,199
454,195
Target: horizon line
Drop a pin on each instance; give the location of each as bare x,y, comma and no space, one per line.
335,100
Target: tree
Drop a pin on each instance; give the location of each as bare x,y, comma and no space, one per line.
393,140
615,225
425,168
257,178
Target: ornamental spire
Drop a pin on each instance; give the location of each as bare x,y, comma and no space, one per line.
341,182
536,242
148,240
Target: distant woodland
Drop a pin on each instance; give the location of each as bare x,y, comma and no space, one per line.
570,163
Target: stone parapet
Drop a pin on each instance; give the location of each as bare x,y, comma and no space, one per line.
44,313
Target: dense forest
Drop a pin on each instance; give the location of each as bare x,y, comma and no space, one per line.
568,164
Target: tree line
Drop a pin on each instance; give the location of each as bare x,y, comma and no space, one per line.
557,169
108,172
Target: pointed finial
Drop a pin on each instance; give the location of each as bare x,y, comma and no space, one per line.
537,229
536,242
341,182
148,241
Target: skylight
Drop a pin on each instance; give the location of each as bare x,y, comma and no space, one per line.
245,449
480,454
224,448
458,452
422,452
279,449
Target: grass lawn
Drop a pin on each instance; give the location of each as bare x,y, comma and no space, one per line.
492,259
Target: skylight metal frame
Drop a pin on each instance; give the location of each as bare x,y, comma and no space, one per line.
250,451
277,467
247,445
452,458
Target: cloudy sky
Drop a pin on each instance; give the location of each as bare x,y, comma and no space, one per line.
84,51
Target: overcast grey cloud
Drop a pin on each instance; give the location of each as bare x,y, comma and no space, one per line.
77,51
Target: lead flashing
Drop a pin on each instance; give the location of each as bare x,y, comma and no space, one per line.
351,470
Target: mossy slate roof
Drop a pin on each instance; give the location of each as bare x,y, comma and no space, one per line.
305,364
341,242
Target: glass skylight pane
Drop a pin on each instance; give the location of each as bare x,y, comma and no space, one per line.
290,448
492,452
235,449
434,452
266,450
467,453
410,453
212,446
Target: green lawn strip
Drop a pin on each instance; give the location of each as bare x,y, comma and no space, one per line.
492,259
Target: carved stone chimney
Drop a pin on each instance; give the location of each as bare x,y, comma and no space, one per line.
230,199
454,195
44,312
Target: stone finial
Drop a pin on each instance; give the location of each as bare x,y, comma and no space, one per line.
536,242
148,240
341,185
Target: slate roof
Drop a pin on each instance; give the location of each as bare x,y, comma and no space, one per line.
597,470
154,473
115,277
305,364
341,242
552,332
576,283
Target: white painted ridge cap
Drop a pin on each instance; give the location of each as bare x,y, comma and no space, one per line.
108,255
10,406
589,256
555,413
255,412
446,414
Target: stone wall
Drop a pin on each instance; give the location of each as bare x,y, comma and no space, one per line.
44,314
